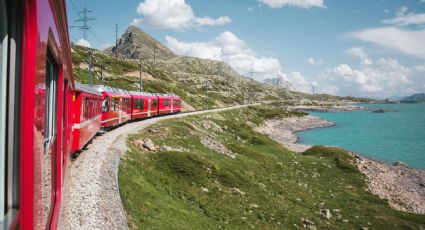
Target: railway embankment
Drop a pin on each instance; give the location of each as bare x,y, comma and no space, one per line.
226,175
91,198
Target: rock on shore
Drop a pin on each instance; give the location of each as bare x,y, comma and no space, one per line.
283,130
403,187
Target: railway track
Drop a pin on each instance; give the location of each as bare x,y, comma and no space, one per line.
91,197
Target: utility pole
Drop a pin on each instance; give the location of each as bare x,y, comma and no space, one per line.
90,67
206,95
250,90
154,54
140,75
187,53
101,72
85,20
116,41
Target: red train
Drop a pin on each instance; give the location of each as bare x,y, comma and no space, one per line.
45,116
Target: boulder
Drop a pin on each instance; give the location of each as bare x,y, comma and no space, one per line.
149,145
139,144
325,213
399,163
165,148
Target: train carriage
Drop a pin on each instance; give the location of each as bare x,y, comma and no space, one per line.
143,105
35,123
165,104
176,104
87,115
116,106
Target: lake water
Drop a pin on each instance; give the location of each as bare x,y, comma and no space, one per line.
388,137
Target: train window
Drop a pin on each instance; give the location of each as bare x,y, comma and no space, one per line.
115,104
86,107
126,103
138,104
105,104
3,72
50,133
155,102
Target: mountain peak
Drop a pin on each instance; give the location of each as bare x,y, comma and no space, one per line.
279,82
136,44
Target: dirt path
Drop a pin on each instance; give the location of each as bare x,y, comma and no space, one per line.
91,198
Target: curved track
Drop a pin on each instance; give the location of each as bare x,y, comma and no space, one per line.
91,198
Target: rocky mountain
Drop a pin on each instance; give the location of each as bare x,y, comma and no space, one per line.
136,44
419,97
279,82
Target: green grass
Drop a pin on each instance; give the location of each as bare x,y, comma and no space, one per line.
265,187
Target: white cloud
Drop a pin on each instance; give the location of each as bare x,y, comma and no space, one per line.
360,53
315,62
384,77
173,14
402,11
229,48
83,42
410,42
294,3
299,83
405,20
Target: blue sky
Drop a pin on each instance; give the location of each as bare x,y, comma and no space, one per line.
364,48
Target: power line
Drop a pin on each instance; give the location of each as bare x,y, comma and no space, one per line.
74,7
116,42
91,31
84,19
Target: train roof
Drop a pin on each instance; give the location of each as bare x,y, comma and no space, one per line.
146,94
166,95
86,88
111,90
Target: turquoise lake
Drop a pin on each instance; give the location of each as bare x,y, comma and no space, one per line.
388,137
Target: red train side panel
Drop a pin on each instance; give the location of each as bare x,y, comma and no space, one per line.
116,106
87,115
165,104
39,123
176,104
142,105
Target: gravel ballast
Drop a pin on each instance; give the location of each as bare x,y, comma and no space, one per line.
90,199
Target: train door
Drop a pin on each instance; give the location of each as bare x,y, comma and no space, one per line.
3,95
120,108
149,107
50,139
10,48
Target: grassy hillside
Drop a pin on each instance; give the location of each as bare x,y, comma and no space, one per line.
264,187
196,80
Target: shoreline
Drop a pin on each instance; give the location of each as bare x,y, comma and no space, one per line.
401,186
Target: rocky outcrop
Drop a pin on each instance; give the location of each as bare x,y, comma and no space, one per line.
217,146
403,187
136,44
283,130
280,82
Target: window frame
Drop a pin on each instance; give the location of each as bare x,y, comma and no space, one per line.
105,105
3,105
